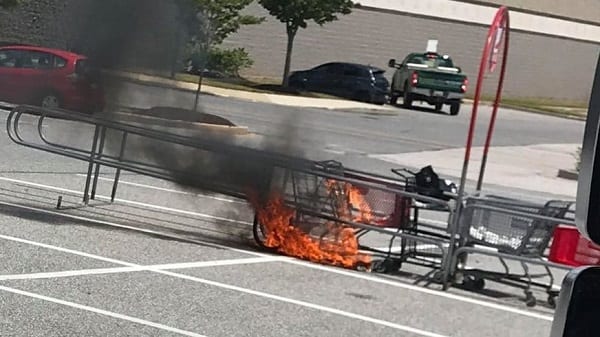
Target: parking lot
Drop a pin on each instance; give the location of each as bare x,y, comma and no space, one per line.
167,260
107,270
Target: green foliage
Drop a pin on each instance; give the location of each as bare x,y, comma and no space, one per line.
8,3
226,61
229,61
296,14
218,19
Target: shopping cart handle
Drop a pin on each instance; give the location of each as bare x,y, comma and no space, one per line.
401,171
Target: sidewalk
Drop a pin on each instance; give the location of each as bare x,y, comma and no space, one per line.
532,168
287,100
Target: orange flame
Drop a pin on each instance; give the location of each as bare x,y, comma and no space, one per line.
357,200
338,247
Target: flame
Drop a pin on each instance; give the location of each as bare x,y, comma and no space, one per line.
338,246
357,200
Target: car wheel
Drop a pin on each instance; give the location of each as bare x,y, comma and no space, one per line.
49,100
362,96
407,99
454,109
298,85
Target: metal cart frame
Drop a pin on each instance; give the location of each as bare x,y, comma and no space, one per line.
516,231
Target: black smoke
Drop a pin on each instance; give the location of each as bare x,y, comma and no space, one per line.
217,162
134,34
150,36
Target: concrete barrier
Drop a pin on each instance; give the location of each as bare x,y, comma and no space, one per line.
179,124
6,106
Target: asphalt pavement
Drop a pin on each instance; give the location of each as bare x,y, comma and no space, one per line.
360,137
139,268
166,260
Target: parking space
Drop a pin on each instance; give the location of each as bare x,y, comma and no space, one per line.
135,268
166,260
264,296
32,316
22,258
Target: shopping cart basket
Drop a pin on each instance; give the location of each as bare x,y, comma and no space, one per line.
330,196
515,231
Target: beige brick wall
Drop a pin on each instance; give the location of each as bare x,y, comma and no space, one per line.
539,66
133,33
588,10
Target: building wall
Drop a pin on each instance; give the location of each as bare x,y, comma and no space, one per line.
144,33
130,33
586,10
538,65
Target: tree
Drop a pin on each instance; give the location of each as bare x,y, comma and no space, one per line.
8,3
296,13
212,21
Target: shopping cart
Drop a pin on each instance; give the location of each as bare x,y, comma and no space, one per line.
509,230
331,196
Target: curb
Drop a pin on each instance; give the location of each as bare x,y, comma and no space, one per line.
270,98
568,174
6,106
178,124
531,110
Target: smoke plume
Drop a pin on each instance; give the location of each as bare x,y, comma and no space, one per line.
131,34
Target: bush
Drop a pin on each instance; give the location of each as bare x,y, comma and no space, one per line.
226,61
229,61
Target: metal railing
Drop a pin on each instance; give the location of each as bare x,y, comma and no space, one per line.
121,133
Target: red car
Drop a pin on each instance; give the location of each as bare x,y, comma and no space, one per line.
49,78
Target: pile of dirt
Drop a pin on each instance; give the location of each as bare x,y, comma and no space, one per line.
185,115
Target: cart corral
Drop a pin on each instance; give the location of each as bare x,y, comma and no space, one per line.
323,211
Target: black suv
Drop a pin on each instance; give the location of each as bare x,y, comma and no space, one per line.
349,80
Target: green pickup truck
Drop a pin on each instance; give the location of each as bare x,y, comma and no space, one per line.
428,77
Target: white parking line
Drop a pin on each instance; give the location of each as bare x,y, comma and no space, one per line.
292,261
100,311
166,189
118,270
219,285
136,203
132,228
428,291
70,273
219,263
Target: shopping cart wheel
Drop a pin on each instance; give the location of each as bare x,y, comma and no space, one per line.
386,266
552,301
473,283
438,276
530,300
258,231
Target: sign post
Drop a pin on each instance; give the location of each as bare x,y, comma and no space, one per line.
501,26
497,35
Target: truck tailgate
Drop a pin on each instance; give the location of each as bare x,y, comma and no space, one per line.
439,80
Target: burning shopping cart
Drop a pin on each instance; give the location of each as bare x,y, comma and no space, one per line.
321,215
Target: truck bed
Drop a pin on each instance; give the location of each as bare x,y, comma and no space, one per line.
439,79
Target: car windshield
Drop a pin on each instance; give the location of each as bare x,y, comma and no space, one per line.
266,168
